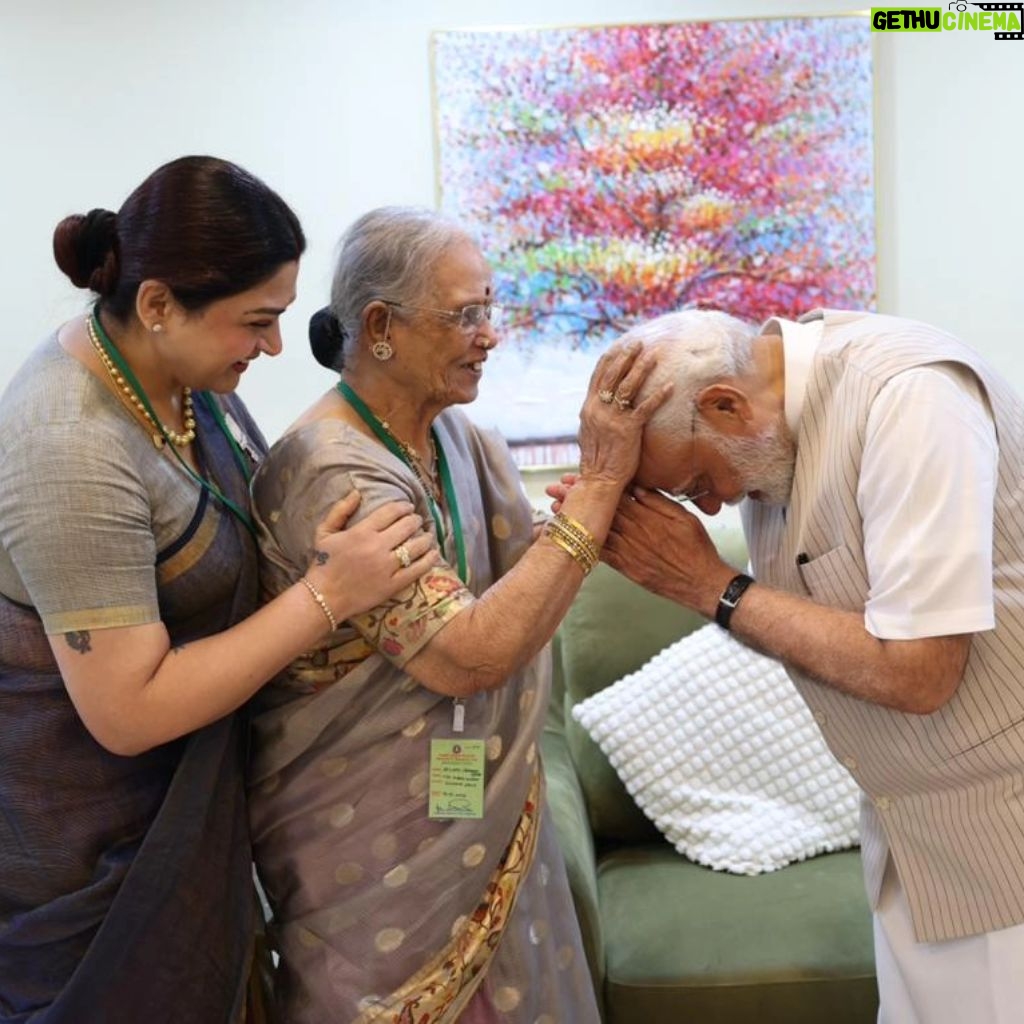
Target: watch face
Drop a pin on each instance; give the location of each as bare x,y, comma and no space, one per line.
736,587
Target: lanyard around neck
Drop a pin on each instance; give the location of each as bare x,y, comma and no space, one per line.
133,382
385,437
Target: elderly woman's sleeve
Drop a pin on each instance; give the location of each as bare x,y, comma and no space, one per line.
404,625
303,478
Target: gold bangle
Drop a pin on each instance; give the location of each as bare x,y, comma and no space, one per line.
578,556
583,557
579,541
319,598
577,530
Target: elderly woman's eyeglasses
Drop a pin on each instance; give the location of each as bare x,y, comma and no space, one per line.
470,318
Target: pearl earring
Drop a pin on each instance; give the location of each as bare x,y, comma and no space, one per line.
157,328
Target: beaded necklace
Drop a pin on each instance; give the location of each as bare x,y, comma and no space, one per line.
126,382
121,374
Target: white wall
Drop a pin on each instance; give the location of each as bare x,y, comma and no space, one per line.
330,103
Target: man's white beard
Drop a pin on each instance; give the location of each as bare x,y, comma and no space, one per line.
764,464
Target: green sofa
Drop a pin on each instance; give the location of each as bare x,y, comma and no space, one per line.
669,941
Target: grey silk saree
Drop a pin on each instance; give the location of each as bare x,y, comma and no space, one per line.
125,882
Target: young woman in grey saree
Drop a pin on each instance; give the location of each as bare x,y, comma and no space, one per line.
396,794
129,628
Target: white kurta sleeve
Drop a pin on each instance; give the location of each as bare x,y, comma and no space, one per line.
926,495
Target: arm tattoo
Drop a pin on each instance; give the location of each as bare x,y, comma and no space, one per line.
79,640
320,556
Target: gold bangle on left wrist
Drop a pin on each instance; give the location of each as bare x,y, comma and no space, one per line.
574,538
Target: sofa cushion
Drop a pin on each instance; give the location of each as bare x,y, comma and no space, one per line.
684,943
717,747
613,627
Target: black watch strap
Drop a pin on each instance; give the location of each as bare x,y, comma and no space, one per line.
734,590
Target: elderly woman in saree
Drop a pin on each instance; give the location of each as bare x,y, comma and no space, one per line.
397,799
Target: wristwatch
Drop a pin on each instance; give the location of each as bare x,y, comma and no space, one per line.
735,589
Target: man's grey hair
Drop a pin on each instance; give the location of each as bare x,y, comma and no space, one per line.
389,253
695,348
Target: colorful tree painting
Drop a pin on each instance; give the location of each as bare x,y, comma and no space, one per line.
616,173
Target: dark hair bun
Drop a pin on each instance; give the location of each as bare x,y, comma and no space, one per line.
85,248
327,338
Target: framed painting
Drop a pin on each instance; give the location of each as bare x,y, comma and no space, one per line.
615,173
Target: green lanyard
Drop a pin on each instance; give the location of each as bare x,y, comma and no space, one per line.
367,416
126,371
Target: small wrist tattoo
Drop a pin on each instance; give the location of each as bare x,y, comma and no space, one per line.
320,557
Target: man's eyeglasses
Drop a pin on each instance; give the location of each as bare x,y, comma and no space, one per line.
470,318
693,492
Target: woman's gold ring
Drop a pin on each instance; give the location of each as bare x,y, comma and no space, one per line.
403,556
606,395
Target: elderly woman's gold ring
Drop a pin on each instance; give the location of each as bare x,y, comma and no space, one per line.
403,556
622,402
606,395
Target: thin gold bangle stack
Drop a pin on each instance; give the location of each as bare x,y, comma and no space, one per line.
573,537
320,600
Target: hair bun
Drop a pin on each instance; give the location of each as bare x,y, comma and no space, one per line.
327,338
85,248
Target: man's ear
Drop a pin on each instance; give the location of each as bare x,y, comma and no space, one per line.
726,409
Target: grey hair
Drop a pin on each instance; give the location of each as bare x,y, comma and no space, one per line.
695,348
388,253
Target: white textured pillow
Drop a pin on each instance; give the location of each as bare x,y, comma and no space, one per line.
718,749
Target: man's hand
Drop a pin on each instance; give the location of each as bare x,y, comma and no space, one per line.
663,547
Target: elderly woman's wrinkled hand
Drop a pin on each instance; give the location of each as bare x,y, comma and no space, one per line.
612,418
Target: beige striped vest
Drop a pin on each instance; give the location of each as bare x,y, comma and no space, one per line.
943,793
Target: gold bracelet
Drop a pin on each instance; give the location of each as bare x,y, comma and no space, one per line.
584,558
579,537
578,556
319,598
578,531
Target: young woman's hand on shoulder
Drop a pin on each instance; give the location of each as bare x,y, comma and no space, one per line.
360,567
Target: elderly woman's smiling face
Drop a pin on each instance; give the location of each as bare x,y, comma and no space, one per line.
441,357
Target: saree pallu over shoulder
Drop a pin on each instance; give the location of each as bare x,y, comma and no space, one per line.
125,882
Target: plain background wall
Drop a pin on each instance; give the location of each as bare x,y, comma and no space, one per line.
329,101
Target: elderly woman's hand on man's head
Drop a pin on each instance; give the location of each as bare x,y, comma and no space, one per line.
612,419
